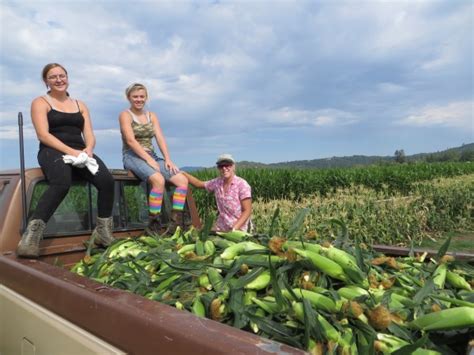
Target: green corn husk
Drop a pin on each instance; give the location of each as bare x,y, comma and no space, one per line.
447,319
439,275
234,250
328,330
234,236
350,292
187,248
457,281
209,248
267,306
291,244
260,282
198,307
323,264
317,300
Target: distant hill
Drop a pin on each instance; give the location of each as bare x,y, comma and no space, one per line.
190,169
464,152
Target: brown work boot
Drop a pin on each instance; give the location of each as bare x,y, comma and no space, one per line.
177,219
154,227
29,243
102,234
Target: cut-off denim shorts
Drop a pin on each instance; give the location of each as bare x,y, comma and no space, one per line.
140,168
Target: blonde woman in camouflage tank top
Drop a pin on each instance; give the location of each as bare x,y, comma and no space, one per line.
138,128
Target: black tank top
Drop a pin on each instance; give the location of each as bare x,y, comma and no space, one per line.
65,126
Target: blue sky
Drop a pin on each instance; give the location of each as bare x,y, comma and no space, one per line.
267,81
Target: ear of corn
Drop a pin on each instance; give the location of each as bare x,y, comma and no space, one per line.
267,306
323,264
198,307
447,319
457,281
329,332
439,275
234,236
317,300
346,261
186,248
260,282
350,292
234,250
291,244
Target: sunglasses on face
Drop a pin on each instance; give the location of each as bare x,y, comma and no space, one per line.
221,166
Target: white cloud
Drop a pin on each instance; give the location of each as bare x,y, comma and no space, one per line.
390,88
12,132
316,118
227,65
455,114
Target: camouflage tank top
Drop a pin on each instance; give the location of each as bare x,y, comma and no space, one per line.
143,133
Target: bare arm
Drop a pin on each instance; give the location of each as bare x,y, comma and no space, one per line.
127,133
88,133
39,112
246,212
160,140
194,180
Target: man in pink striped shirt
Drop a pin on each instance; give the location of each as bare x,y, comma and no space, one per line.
233,196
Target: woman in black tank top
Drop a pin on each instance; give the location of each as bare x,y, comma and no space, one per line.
63,127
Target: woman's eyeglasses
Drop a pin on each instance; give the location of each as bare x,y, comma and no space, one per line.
56,77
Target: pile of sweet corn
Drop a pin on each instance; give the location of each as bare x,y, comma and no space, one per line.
317,297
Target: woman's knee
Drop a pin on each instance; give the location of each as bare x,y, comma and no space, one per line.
105,182
179,180
157,180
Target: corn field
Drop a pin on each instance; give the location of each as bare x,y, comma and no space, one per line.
389,204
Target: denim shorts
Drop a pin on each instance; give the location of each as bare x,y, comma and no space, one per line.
140,168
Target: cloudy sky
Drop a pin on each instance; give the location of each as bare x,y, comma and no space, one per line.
267,81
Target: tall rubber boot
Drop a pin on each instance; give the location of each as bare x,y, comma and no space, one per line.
29,243
102,234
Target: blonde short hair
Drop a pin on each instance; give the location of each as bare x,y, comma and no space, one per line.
135,87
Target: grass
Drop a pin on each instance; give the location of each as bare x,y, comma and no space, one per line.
460,242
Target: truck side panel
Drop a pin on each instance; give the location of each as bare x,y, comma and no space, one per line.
127,321
26,327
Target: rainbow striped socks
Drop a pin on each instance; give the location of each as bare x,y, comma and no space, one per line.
155,199
179,197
